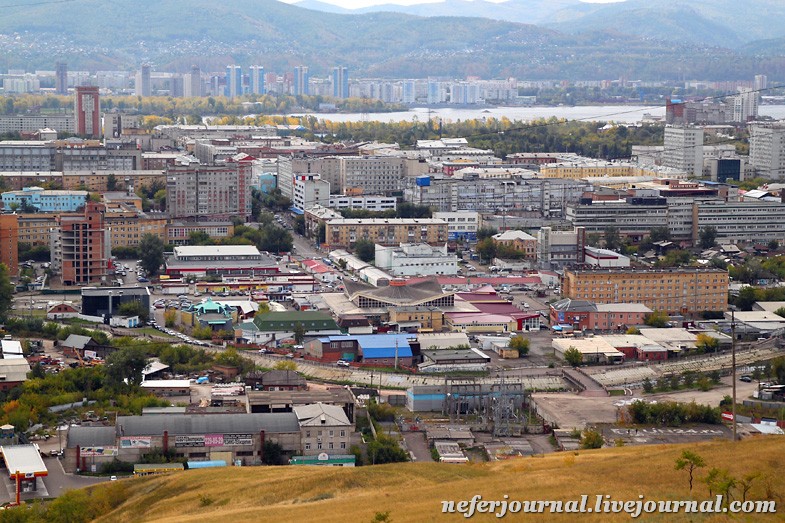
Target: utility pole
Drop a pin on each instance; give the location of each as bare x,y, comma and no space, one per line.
733,364
396,354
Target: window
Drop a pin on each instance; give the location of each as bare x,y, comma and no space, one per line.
307,445
319,446
343,444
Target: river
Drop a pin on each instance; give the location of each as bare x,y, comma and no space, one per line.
615,113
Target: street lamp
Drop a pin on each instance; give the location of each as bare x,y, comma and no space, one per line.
733,364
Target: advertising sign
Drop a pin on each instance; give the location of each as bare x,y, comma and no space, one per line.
189,441
135,443
214,440
98,451
237,439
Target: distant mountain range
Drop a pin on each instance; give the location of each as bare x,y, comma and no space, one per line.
577,40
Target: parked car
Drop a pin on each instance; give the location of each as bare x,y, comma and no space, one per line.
342,363
746,378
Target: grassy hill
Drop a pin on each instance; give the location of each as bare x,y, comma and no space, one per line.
413,492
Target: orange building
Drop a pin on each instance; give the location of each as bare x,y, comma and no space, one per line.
80,246
9,242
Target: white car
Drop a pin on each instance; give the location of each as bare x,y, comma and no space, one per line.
342,363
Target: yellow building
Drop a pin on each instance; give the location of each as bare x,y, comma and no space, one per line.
425,319
126,228
345,232
579,171
34,229
96,181
681,291
9,246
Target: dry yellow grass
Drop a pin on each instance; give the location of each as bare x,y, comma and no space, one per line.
413,492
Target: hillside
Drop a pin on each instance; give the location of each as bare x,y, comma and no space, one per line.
175,34
413,492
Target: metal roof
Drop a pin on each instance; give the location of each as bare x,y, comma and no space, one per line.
285,422
14,369
76,341
23,459
312,415
91,436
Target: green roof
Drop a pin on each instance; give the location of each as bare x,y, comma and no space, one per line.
338,459
285,321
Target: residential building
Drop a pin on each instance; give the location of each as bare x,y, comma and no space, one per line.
340,80
461,225
126,228
633,217
257,79
143,86
234,81
677,290
209,191
43,200
87,111
420,318
684,149
309,190
316,218
9,243
35,229
519,241
556,249
587,315
767,149
17,123
192,83
372,174
61,78
344,232
301,83
416,259
745,105
80,246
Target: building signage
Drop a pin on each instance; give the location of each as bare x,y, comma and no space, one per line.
98,451
237,439
135,443
213,440
189,441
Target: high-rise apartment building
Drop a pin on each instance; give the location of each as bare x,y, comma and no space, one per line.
234,81
745,105
767,149
409,94
435,94
80,246
143,87
61,78
215,191
301,81
257,79
193,83
684,149
340,82
87,111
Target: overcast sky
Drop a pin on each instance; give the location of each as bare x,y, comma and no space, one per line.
356,4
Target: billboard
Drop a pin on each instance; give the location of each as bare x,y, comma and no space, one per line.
98,451
189,441
135,443
213,440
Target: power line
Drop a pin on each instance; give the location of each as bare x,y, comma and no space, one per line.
8,6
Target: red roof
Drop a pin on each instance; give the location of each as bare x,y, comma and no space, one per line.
487,280
316,266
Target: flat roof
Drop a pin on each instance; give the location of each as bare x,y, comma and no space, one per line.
24,460
149,384
586,346
216,250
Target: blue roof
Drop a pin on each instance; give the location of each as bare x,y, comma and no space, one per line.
386,352
370,341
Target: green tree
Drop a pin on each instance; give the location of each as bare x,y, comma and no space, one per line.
365,250
690,461
299,332
111,182
591,439
285,365
483,233
706,343
648,386
170,318
6,291
612,238
707,237
124,367
133,308
199,238
486,249
151,252
160,199
573,356
521,344
773,245
657,319
272,453
659,234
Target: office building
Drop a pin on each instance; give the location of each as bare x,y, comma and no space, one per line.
682,290
16,123
767,149
301,81
340,82
43,200
309,190
87,112
143,87
80,246
257,79
416,259
61,78
684,149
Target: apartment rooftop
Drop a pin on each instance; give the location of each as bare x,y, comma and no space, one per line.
387,221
